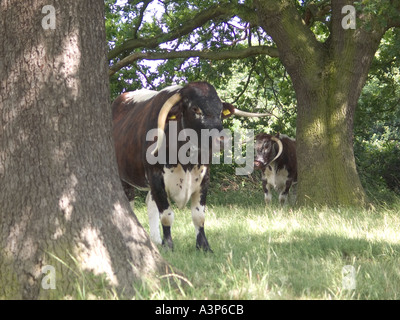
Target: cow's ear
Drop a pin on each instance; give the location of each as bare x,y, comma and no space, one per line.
227,110
176,112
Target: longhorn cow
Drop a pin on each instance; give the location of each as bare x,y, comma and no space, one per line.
191,108
276,158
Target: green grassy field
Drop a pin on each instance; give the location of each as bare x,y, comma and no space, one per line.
281,253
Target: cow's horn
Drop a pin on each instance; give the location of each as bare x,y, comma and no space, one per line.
241,113
162,118
280,145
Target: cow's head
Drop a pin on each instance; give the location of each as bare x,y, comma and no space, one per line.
197,106
268,149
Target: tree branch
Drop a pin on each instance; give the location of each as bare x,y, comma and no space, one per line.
210,55
316,11
225,10
247,82
299,49
141,15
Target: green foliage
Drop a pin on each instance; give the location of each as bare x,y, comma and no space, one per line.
261,83
377,121
378,12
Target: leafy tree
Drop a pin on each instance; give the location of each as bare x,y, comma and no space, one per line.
326,59
377,121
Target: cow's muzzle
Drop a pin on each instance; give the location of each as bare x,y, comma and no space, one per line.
258,165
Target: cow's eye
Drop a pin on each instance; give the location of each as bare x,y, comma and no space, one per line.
197,110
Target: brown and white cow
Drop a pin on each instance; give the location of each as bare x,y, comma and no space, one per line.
276,158
188,110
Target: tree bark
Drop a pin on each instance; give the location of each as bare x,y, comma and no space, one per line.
328,78
61,200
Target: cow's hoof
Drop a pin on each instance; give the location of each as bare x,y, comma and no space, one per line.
205,249
168,244
201,241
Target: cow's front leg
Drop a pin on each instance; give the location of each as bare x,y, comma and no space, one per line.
198,207
167,218
158,206
267,192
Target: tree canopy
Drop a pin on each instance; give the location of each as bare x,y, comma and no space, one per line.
223,42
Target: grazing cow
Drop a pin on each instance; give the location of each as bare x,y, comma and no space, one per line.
189,109
276,157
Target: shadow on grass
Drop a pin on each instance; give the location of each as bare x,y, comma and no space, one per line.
257,248
309,264
299,265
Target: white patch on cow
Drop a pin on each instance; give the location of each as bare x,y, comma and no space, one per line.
146,94
277,179
172,88
199,116
154,219
280,179
181,184
140,95
167,217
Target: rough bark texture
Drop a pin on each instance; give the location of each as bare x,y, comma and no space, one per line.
61,201
328,78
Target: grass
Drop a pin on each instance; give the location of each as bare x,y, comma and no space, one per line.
281,253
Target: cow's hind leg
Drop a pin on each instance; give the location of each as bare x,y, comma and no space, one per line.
159,200
129,190
198,207
154,219
283,196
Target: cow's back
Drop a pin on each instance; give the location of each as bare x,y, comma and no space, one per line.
129,124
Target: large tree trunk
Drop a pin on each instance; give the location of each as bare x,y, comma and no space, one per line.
61,201
327,171
328,78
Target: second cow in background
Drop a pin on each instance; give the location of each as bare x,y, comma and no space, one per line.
276,158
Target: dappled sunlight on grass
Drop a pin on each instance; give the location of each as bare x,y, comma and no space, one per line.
285,253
